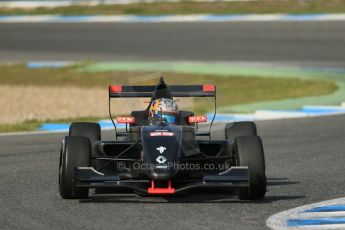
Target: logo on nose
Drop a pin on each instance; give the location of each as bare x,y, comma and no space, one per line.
161,149
161,159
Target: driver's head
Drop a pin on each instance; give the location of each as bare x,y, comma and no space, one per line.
165,108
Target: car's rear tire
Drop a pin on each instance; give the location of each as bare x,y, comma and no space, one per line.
75,152
86,129
93,132
249,152
237,129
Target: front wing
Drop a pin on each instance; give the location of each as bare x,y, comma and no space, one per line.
235,177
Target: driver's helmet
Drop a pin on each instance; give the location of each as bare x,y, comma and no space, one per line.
165,108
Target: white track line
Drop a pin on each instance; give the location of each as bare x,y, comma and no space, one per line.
279,220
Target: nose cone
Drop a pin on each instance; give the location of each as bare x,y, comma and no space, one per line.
161,174
161,152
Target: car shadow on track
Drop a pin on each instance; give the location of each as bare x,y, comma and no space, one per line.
275,181
191,198
206,197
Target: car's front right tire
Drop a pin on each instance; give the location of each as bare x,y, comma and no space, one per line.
75,152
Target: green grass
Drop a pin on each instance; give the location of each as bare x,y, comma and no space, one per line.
190,7
32,125
231,90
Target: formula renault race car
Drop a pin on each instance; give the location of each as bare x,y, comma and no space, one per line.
162,152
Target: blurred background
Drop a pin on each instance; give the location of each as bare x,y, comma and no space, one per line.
269,59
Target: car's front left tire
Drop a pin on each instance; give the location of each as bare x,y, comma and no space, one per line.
249,152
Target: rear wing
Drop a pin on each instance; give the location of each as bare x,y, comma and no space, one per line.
175,90
126,91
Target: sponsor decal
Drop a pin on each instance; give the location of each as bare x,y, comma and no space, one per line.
161,149
197,119
161,159
161,134
128,120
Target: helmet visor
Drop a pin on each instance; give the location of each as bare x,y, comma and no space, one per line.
171,119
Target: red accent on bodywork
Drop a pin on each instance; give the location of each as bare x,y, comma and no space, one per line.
153,190
125,120
208,88
115,88
197,119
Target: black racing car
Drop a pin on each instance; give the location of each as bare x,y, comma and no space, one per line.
156,157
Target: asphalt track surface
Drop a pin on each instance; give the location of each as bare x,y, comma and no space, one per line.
304,43
305,164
